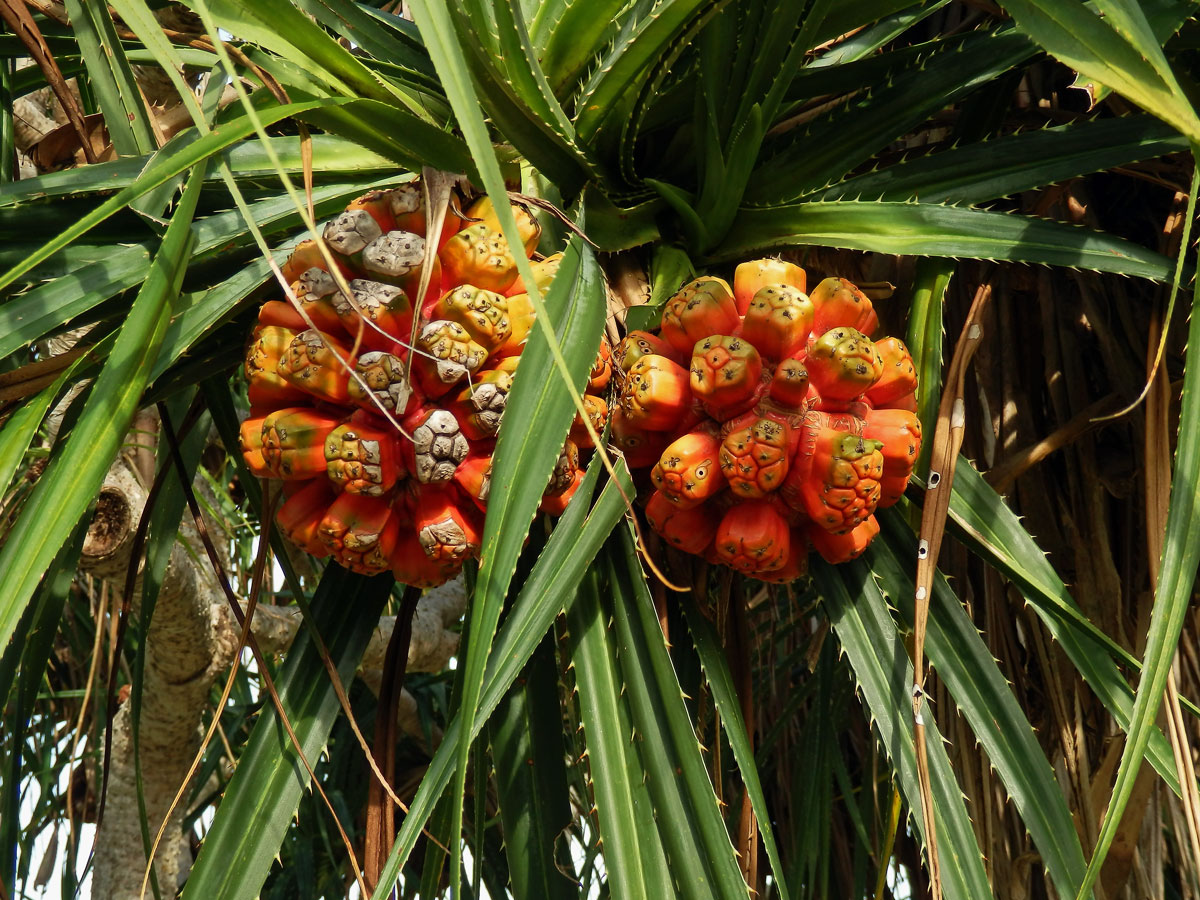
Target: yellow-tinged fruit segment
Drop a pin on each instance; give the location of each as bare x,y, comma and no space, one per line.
843,364
751,277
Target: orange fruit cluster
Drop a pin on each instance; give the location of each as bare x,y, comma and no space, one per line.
769,419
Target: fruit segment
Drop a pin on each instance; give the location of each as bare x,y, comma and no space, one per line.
703,307
897,387
726,375
843,364
362,459
754,455
292,442
838,303
751,277
899,433
691,529
689,472
778,321
753,537
318,364
655,395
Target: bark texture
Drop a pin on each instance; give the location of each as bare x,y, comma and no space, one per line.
191,642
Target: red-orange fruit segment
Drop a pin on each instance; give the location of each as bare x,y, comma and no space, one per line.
688,472
556,504
838,302
899,378
754,455
796,565
640,447
751,277
601,372
633,347
300,515
360,533
725,375
474,474
842,488
753,537
691,530
318,364
702,307
843,364
899,431
314,289
380,383
778,321
281,313
437,445
292,442
655,395
447,523
840,548
362,459
789,385
250,439
480,405
597,411
414,568
375,315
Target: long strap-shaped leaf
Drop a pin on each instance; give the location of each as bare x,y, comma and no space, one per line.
263,794
725,698
632,855
868,636
550,587
73,478
982,695
529,442
1118,50
690,823
1173,593
919,229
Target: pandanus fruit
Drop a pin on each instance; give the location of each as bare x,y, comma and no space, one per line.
385,450
808,419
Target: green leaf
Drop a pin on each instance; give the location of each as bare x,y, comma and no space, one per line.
1118,50
622,802
924,340
1173,592
266,788
71,480
161,170
111,79
550,587
621,73
974,173
979,518
685,805
531,780
919,229
868,636
964,663
877,116
725,698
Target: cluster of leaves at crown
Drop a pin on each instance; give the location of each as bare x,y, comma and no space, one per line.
385,453
769,419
